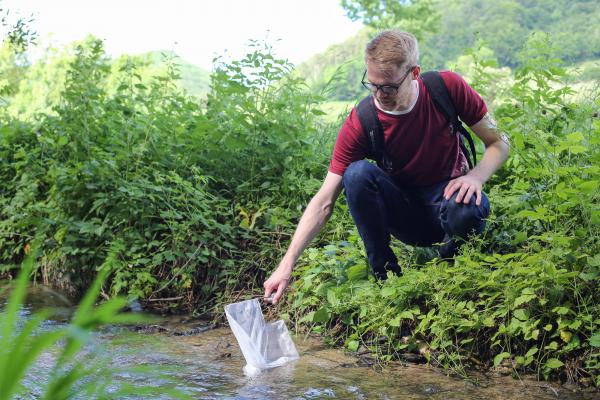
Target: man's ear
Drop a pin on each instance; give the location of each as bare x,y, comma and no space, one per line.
416,71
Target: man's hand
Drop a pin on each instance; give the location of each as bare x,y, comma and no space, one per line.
467,185
277,282
496,152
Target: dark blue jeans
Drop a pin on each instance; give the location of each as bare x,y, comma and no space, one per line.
418,216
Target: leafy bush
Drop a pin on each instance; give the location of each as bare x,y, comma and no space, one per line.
198,195
118,167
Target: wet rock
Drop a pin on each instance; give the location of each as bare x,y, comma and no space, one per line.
412,358
150,329
195,330
431,390
134,306
313,393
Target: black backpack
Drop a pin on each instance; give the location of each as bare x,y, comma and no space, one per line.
441,97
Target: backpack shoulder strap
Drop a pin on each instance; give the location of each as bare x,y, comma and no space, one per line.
436,87
372,127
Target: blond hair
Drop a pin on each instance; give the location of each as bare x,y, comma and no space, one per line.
392,48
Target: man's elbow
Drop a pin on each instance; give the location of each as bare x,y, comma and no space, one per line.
502,145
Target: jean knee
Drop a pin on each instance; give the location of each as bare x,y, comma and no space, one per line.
459,219
358,173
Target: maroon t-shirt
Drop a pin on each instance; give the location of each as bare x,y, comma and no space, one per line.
419,143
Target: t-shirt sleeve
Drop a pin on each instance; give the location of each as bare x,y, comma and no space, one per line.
470,106
351,145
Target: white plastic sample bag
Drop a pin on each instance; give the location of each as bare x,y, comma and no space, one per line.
264,345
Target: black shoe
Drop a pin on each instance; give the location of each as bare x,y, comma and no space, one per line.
448,248
382,275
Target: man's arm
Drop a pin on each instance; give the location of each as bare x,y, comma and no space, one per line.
496,152
316,214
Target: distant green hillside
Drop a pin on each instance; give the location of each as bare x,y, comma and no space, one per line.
38,87
342,62
195,80
504,25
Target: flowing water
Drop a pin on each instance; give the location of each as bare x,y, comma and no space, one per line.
207,364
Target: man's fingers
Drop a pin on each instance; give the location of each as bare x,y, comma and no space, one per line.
466,188
450,189
461,193
469,194
280,290
268,289
267,293
279,293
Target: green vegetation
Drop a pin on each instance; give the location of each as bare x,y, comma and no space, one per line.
195,80
417,16
131,159
36,88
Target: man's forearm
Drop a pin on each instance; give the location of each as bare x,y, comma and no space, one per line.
314,218
497,147
493,158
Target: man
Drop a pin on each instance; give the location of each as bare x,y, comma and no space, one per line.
429,196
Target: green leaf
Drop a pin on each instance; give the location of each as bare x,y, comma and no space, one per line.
498,359
356,272
577,149
63,140
566,336
561,310
531,351
519,237
524,299
407,314
308,317
553,363
521,314
552,346
321,315
332,298
353,345
589,276
595,340
388,291
575,137
588,187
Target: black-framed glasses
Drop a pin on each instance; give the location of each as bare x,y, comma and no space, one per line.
386,89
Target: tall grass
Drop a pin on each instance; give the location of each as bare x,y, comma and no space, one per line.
74,372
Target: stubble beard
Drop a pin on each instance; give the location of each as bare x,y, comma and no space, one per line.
396,103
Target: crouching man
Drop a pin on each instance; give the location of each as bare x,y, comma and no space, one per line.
421,190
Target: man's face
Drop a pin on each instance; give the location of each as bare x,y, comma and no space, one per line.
391,87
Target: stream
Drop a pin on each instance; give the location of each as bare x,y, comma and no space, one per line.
206,363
